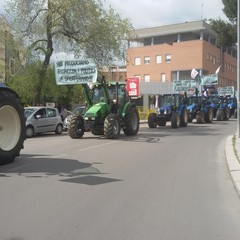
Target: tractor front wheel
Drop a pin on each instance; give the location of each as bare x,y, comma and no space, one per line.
112,126
175,120
76,127
152,120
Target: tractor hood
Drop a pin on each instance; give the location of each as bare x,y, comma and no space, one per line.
99,109
165,107
192,106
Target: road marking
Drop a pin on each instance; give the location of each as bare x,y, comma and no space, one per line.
96,146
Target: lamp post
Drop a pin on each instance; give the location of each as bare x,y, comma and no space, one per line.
238,67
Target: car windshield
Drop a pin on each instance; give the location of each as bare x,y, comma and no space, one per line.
29,111
79,110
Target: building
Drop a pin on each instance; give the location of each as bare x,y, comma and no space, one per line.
8,53
160,55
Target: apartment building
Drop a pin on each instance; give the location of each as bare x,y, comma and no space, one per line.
160,55
8,53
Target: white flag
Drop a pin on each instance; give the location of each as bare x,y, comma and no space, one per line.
218,69
194,73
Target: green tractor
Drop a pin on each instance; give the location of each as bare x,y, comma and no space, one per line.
108,111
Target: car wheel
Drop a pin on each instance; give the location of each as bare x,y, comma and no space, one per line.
59,129
29,132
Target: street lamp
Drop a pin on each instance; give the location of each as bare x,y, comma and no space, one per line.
238,66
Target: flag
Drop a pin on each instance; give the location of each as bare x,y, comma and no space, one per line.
218,69
194,73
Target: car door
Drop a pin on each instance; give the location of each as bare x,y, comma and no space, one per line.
40,120
51,119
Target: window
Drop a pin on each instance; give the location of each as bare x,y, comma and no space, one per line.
137,61
146,60
163,77
51,112
158,59
146,78
168,58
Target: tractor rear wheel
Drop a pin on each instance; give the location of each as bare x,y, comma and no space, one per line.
184,118
76,127
152,120
200,117
12,127
175,120
131,122
220,115
226,114
112,126
209,115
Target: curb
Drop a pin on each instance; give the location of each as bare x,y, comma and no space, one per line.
233,163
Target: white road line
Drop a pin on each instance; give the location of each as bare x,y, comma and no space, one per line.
96,146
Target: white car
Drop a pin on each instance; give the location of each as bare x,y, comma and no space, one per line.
42,119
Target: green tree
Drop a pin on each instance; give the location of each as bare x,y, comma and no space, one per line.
84,27
227,30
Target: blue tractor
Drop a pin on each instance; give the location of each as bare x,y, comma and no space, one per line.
173,108
199,108
221,110
232,104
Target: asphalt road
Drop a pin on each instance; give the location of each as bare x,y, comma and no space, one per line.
164,183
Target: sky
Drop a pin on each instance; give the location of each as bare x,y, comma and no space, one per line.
152,13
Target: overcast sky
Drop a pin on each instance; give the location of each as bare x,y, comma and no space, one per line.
151,13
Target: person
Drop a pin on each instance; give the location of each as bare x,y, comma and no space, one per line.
62,111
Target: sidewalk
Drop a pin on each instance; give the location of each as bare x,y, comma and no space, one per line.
232,149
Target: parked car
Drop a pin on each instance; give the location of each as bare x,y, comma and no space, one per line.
77,111
42,119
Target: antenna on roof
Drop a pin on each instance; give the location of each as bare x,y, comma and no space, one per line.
202,11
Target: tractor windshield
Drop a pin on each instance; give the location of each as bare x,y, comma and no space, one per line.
167,100
97,95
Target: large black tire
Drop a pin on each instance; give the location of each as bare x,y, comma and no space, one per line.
235,113
131,122
184,118
12,127
200,117
152,120
226,114
220,115
112,126
209,115
175,120
76,127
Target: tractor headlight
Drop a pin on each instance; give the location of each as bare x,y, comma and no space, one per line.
89,118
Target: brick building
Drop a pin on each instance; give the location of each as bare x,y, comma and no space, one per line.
160,55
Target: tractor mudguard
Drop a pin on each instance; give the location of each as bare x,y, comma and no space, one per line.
125,108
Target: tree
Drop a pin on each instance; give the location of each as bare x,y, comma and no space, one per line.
81,26
227,31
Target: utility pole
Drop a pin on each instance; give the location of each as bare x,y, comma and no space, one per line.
238,68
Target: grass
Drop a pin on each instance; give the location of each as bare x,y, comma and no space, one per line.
234,142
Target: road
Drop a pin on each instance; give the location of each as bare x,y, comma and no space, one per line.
164,183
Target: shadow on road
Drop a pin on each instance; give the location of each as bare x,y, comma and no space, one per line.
43,166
